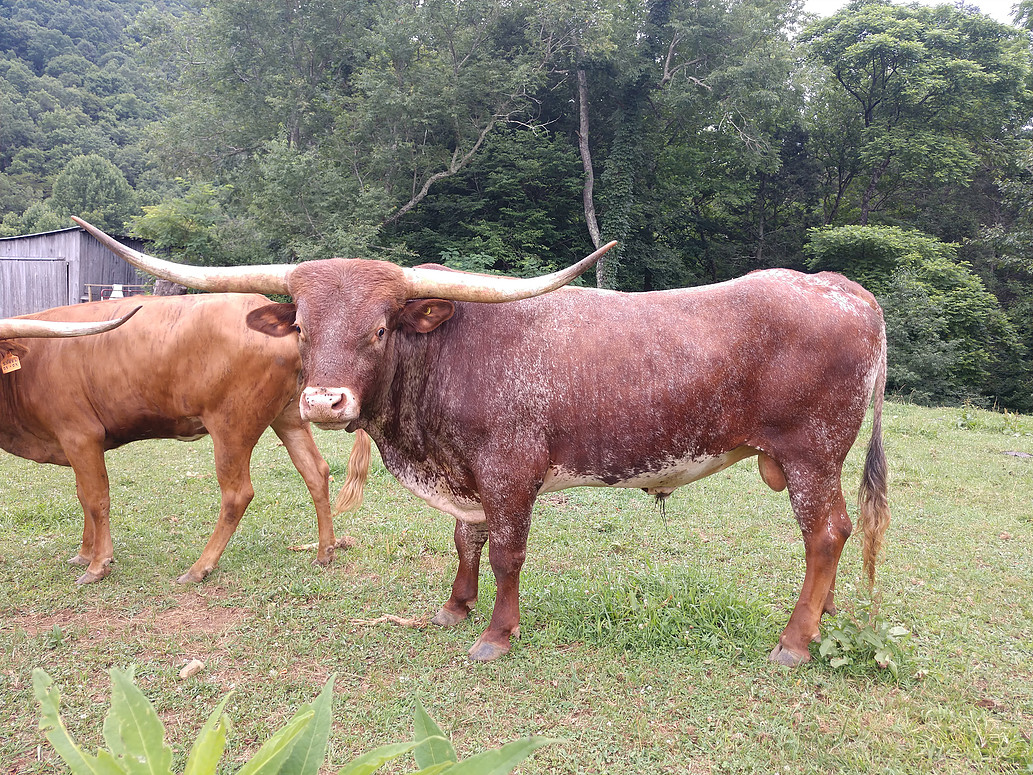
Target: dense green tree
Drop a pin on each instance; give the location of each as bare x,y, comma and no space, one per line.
334,118
95,189
913,99
678,109
515,209
69,86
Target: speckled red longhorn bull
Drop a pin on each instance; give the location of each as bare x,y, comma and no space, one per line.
478,408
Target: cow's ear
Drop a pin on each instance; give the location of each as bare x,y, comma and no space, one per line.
421,316
8,348
274,319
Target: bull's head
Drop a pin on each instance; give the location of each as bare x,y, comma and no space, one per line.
346,311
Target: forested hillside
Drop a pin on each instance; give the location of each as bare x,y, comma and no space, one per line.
710,138
72,85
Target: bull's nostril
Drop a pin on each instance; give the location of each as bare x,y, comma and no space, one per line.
328,405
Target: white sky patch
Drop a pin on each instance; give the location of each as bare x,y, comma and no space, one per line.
999,10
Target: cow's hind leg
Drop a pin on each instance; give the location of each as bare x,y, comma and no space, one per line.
232,467
821,512
296,436
469,540
96,551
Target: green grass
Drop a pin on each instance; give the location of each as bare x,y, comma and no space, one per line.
644,637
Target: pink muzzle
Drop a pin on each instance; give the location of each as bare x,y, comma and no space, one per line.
324,406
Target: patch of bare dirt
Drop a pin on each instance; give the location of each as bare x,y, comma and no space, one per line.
192,613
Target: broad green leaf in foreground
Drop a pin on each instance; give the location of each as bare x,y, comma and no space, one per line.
272,753
377,758
434,747
500,761
211,742
309,748
53,727
132,729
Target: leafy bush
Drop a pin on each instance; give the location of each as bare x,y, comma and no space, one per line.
949,338
136,743
864,640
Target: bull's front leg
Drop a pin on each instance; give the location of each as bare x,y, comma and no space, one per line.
509,522
469,540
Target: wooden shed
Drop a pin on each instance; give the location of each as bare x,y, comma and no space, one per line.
55,268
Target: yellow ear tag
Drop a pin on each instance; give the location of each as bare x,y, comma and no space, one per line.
429,310
11,363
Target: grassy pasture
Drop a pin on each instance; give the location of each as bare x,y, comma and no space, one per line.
644,637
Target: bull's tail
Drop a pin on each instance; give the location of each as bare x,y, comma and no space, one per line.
349,498
871,498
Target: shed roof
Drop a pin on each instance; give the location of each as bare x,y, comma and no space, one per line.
58,231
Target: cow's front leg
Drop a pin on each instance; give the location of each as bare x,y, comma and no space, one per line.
91,487
233,470
84,556
296,436
469,540
823,519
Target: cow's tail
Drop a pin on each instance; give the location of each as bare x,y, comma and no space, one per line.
871,498
349,498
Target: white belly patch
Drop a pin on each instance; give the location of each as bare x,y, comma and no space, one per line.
662,481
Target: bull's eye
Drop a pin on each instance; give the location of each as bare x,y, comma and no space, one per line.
381,332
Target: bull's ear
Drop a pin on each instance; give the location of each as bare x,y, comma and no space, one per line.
274,319
421,316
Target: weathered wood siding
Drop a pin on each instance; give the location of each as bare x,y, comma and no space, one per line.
31,284
86,260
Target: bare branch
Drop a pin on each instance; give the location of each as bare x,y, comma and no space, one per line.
457,163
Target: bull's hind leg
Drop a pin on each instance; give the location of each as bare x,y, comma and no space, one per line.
469,541
96,551
232,467
296,436
821,513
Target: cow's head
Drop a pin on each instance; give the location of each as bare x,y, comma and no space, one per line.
30,328
346,312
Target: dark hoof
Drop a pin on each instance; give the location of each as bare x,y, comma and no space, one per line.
91,578
81,560
484,651
446,618
191,577
784,656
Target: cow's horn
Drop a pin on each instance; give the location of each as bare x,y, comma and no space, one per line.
271,278
26,328
462,286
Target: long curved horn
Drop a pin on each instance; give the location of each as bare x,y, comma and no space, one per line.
25,328
461,286
271,278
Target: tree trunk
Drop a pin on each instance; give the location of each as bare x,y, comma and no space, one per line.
588,195
869,193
